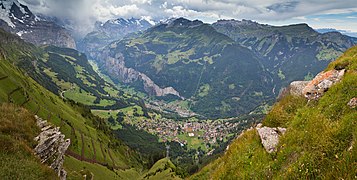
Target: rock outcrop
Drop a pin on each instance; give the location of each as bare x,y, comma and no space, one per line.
297,87
352,103
51,147
270,137
315,88
116,66
321,83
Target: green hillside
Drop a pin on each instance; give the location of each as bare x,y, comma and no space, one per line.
91,139
75,79
319,142
17,131
163,169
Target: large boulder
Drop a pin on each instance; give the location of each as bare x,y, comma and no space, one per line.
270,137
51,147
321,83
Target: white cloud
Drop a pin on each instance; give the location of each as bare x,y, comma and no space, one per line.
141,1
86,12
105,13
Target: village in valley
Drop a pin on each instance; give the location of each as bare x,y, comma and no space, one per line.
190,132
193,133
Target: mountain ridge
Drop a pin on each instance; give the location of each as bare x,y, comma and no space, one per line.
18,19
109,31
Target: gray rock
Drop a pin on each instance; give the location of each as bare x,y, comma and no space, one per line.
325,84
51,147
352,103
259,125
296,87
270,137
321,83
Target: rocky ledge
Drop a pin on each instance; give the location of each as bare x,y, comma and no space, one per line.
315,88
51,147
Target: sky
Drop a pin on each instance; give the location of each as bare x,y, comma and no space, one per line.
338,14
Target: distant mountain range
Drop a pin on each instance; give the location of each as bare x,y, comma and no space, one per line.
225,69
111,30
348,33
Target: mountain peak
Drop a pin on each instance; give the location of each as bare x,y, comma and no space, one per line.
18,19
183,22
124,23
301,28
13,13
5,10
234,22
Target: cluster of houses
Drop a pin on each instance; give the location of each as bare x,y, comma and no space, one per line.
208,131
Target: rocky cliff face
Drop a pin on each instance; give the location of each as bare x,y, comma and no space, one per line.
51,147
18,19
115,66
112,30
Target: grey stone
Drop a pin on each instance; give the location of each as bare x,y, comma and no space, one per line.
270,137
51,147
352,103
296,87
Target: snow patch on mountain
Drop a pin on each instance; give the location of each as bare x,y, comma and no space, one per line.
17,19
5,7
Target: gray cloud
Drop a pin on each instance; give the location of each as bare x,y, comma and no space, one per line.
85,12
283,7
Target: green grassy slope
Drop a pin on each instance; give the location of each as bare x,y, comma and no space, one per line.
17,130
75,77
319,142
91,139
163,169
